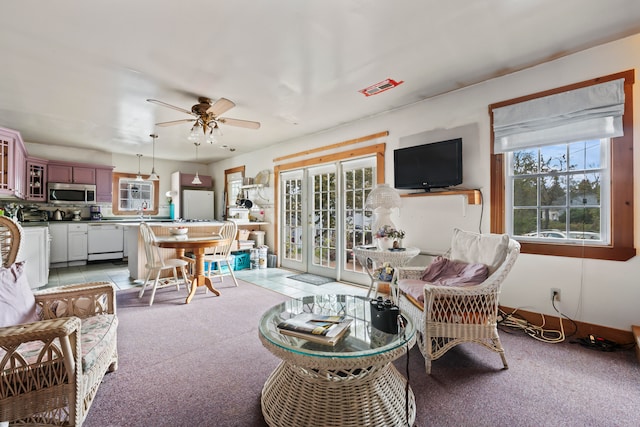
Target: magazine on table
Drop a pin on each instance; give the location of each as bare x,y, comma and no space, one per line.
320,328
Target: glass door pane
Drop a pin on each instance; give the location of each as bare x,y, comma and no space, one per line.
292,221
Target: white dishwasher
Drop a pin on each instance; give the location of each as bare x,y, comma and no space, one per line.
105,241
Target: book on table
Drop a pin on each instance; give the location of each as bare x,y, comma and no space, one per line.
320,328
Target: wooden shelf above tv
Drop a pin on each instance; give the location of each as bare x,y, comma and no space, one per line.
474,197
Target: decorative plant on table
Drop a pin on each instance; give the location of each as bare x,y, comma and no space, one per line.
387,235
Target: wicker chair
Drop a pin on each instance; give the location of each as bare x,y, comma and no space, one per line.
50,369
452,315
156,264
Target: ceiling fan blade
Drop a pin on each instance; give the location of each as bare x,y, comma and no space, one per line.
175,122
164,104
221,106
240,123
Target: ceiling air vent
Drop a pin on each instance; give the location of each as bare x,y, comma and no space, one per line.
380,87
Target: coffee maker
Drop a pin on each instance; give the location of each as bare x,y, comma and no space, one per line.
94,212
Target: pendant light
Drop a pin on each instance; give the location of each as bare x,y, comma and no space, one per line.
139,176
154,176
196,179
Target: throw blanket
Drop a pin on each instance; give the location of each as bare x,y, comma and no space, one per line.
444,272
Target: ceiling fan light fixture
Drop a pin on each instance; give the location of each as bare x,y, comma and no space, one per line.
196,132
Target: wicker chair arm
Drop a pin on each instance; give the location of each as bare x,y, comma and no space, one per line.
81,300
410,272
43,330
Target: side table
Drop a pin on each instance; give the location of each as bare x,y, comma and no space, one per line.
395,258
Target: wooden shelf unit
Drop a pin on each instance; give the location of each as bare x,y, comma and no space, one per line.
474,197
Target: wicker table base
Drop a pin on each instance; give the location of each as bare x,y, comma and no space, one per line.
374,396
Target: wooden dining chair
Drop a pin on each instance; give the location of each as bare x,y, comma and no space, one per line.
221,257
156,264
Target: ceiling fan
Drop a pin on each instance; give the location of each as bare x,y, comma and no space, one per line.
207,115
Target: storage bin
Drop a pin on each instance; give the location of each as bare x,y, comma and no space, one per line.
241,260
242,234
221,265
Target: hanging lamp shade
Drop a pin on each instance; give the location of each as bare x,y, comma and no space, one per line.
196,179
139,176
154,176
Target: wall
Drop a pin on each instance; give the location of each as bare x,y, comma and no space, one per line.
600,292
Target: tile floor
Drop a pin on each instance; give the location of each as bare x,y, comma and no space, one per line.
275,279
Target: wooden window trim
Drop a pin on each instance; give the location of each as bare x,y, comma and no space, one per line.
115,204
621,202
228,172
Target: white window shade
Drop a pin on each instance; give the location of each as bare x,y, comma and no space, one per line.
591,112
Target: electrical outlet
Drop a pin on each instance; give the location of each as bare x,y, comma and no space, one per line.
555,294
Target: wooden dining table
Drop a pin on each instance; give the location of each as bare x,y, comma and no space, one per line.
196,243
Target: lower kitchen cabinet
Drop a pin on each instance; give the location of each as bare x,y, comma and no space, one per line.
77,243
68,244
59,241
35,251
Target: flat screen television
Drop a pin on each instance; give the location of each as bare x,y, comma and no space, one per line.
427,166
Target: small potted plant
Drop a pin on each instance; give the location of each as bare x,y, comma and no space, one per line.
387,235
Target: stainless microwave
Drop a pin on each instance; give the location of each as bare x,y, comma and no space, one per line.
71,194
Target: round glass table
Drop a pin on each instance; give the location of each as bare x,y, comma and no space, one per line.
352,383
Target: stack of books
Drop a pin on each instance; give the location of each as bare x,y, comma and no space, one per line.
319,328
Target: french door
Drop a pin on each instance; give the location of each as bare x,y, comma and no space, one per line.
323,218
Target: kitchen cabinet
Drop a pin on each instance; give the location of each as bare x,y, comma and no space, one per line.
70,173
35,251
12,164
59,243
77,245
68,244
104,185
36,179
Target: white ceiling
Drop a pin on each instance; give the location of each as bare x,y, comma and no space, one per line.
78,73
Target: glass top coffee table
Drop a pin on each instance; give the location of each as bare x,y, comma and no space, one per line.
350,384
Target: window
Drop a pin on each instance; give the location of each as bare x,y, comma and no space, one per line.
566,189
233,179
557,192
134,197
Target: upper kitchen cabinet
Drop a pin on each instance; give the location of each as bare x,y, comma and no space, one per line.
104,185
12,164
36,179
71,173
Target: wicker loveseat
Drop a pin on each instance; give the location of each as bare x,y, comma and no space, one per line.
50,369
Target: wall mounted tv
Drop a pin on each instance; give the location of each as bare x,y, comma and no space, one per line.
427,166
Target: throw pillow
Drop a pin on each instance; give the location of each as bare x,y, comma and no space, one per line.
487,249
17,303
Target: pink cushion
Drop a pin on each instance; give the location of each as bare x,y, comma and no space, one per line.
17,303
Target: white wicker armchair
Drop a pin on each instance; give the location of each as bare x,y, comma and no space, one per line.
50,369
453,315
